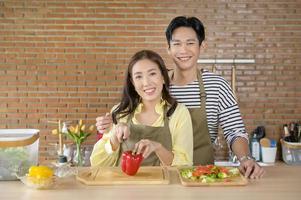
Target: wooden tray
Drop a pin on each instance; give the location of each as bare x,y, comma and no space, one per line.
115,176
233,181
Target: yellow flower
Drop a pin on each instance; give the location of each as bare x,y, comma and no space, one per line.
71,128
91,128
78,133
54,132
76,129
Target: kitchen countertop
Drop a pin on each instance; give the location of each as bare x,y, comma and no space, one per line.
281,182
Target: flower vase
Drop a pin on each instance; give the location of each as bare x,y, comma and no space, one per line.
78,158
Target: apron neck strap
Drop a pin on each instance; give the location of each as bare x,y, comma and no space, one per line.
165,118
201,84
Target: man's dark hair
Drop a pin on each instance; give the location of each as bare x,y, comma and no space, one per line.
183,21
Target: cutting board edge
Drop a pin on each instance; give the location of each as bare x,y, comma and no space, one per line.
87,181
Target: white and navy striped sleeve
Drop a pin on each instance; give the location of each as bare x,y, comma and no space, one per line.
228,114
221,106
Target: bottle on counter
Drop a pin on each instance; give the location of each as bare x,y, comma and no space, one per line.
255,147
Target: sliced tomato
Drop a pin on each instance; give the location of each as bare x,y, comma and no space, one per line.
210,166
211,172
224,170
202,170
197,173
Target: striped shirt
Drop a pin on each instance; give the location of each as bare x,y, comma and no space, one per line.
221,106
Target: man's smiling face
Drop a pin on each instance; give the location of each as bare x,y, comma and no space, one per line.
184,48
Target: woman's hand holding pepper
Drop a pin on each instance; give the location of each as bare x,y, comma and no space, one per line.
146,147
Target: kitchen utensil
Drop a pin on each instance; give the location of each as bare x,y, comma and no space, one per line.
115,176
291,152
18,147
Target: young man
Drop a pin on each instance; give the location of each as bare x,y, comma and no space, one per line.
185,36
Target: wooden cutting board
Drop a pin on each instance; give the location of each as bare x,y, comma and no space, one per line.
115,176
233,181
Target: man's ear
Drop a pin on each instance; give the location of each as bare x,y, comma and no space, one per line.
168,49
203,47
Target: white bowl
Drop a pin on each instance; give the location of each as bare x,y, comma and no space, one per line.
38,183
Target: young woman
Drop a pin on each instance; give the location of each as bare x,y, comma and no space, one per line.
147,120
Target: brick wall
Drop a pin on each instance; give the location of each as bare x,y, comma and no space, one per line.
65,59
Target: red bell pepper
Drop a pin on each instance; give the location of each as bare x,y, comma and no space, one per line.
99,136
131,162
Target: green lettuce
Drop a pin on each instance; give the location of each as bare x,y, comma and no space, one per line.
13,160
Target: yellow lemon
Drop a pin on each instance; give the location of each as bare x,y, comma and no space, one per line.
40,172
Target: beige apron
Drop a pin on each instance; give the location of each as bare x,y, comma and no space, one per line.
202,147
157,134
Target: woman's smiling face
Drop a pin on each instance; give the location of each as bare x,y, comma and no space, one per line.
147,80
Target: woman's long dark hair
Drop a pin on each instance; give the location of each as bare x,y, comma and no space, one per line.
130,98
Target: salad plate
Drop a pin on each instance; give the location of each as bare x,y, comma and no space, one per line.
211,175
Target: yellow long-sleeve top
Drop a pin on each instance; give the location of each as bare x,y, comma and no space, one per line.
180,126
